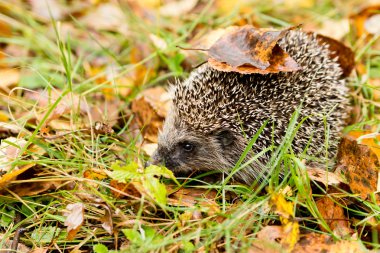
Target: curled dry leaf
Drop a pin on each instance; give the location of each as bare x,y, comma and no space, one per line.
8,77
106,220
177,8
74,220
360,164
366,22
250,50
335,28
35,188
346,57
313,242
65,105
323,176
150,110
6,243
48,10
132,189
106,16
270,233
334,215
10,149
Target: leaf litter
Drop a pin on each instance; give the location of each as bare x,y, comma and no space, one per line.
115,192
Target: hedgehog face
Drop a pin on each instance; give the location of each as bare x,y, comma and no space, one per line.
185,151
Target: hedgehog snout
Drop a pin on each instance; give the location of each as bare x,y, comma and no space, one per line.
163,158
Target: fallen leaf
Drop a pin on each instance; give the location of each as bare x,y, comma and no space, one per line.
313,242
369,139
74,219
5,30
66,105
48,9
190,197
324,176
35,188
290,226
8,77
39,250
106,16
150,109
3,118
159,99
158,42
7,178
375,84
177,8
132,189
94,174
250,50
360,164
209,39
6,243
298,3
149,148
365,22
335,28
9,150
106,220
270,233
346,57
334,215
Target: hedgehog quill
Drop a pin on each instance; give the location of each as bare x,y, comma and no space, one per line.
215,113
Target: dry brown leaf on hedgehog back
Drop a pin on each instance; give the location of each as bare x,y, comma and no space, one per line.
248,50
360,163
346,57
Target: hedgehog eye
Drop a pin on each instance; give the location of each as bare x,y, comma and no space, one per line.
187,146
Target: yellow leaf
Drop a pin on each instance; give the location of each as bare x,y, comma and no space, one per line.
282,207
290,227
299,3
367,138
9,177
3,117
8,77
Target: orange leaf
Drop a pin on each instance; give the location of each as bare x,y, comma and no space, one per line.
250,50
360,164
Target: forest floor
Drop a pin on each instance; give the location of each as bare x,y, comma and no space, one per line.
82,96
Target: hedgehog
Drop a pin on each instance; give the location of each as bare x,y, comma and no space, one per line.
214,114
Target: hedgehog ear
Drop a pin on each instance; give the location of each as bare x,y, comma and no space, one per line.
225,137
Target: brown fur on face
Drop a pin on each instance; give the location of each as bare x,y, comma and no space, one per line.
217,150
